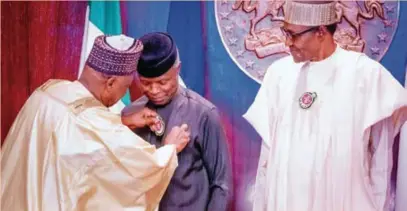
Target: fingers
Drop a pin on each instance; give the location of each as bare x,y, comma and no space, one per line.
149,113
150,121
185,135
126,120
184,127
176,128
181,146
183,142
185,132
155,127
145,117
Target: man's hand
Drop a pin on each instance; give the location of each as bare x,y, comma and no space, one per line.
145,117
178,136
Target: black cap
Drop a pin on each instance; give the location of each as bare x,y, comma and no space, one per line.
158,56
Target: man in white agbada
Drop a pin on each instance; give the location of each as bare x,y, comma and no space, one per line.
67,151
333,116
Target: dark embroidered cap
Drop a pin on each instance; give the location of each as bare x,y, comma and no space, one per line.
158,56
109,60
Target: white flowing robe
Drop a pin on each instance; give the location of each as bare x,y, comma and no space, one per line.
66,152
337,154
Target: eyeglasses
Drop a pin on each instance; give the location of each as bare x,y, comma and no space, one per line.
291,35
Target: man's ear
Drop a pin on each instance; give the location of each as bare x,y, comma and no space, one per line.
322,31
110,82
179,68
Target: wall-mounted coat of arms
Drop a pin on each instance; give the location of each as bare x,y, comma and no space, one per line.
250,30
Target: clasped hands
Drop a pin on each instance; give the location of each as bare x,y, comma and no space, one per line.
179,135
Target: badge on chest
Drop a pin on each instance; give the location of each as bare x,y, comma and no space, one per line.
307,99
160,126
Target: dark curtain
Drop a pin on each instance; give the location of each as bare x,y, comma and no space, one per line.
40,41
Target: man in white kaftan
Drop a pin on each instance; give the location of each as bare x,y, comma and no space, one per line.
333,116
66,151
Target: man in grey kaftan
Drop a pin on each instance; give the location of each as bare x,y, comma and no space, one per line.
203,179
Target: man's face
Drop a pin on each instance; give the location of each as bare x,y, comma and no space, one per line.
302,41
161,89
115,88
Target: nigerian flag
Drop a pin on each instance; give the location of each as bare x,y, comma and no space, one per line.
103,17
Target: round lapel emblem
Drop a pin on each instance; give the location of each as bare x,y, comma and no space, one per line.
161,127
307,99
